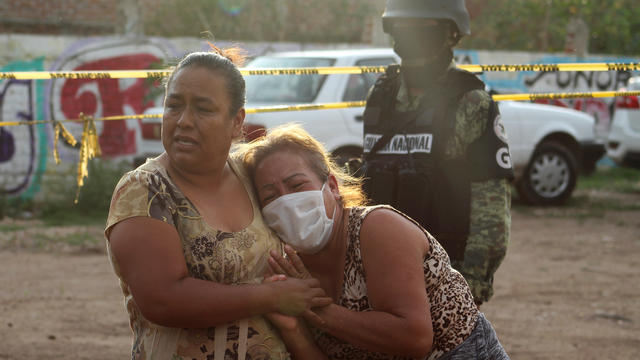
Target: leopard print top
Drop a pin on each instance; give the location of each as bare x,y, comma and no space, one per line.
453,311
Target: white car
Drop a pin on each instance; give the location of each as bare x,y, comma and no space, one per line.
623,142
148,141
549,145
339,129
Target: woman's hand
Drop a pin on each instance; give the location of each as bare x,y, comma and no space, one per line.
292,266
282,322
297,296
293,330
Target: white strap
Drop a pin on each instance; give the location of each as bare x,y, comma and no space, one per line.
243,338
220,345
164,343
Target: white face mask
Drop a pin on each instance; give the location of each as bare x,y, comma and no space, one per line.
300,219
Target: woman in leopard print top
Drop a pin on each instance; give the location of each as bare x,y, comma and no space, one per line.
395,293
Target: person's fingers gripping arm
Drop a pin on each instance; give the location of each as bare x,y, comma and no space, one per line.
150,258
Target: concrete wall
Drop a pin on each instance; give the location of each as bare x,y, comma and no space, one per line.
26,159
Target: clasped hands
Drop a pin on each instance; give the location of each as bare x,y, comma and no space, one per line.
302,295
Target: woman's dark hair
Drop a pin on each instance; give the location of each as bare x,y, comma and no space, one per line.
224,62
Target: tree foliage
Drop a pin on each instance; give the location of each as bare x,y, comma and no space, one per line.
541,25
260,20
526,25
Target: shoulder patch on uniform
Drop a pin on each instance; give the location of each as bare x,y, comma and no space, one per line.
503,158
498,127
477,97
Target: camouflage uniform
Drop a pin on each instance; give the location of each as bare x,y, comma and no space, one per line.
490,200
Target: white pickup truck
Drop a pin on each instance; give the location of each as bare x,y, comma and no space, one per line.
550,146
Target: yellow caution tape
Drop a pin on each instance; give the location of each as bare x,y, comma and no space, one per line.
572,95
68,137
106,118
32,122
113,74
341,105
314,70
89,148
553,67
304,107
159,74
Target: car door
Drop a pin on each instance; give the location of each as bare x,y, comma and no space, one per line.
357,87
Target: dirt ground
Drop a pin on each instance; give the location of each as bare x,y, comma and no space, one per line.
568,289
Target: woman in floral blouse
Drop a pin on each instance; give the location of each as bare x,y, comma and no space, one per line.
185,233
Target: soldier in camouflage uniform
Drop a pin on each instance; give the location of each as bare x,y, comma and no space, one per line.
434,145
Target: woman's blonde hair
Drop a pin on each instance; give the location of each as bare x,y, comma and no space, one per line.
293,137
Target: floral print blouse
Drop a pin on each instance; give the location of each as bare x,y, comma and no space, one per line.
214,255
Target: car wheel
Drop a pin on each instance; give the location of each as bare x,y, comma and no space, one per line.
550,176
344,154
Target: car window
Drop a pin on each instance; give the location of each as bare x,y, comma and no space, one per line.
358,85
285,89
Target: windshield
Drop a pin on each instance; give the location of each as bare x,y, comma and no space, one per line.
284,89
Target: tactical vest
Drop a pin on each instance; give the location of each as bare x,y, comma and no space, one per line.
407,168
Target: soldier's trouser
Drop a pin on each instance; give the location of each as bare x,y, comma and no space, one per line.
481,260
487,245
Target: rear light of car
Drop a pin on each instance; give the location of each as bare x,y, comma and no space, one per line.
627,102
151,131
252,132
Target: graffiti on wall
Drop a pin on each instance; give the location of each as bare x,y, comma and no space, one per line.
558,82
23,149
68,98
580,81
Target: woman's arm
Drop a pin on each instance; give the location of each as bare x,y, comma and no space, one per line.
151,261
393,251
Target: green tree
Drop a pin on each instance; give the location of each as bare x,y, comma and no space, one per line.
540,25
527,25
259,20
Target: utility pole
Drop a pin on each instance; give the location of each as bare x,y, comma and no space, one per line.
282,10
544,34
130,17
577,37
376,35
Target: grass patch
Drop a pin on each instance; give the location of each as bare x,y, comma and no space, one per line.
58,206
616,179
80,239
11,227
73,239
603,204
607,189
74,217
46,241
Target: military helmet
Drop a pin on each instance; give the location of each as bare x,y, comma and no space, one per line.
454,10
